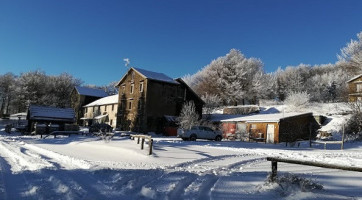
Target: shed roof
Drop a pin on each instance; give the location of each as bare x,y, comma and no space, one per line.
94,92
104,101
36,112
354,78
275,117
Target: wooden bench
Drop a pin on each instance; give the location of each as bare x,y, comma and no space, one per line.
275,160
143,138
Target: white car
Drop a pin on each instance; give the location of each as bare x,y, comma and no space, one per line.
199,132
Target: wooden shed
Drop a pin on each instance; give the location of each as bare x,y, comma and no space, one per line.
270,128
49,115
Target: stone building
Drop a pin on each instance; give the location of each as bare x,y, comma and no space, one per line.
147,99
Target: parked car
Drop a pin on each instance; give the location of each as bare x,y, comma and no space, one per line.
199,132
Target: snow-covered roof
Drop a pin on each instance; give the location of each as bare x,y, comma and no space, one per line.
150,75
354,78
275,117
17,115
51,113
104,101
94,92
155,75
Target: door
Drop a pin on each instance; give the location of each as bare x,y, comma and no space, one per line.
241,132
270,133
209,133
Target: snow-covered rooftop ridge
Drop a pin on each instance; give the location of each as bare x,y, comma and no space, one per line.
155,76
275,117
44,112
104,101
356,77
94,92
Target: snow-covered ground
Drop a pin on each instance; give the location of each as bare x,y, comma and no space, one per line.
85,167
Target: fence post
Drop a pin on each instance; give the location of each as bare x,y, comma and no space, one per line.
150,145
142,143
274,170
310,135
342,144
138,140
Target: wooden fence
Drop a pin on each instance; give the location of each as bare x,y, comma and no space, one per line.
143,138
275,160
328,142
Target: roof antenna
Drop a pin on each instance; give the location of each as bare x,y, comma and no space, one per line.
126,62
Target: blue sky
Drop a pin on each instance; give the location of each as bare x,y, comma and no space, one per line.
89,39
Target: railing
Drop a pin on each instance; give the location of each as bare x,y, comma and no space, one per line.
275,160
143,138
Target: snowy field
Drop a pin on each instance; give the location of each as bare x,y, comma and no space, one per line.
86,167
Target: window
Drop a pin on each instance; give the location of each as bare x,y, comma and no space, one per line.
141,87
130,105
359,87
132,88
123,89
86,109
253,126
111,122
112,107
105,108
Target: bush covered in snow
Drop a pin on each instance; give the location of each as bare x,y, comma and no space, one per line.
354,124
290,184
297,100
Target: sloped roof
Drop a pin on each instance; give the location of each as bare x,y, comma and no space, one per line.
155,76
86,91
104,101
51,113
190,89
151,76
354,78
275,117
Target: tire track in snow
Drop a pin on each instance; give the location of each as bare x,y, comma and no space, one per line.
50,183
65,161
207,179
178,182
78,184
20,161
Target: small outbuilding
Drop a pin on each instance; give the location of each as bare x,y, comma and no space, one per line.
269,128
355,89
49,115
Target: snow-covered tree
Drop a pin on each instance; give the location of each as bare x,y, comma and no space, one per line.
188,116
230,77
212,101
111,88
7,82
297,100
352,54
